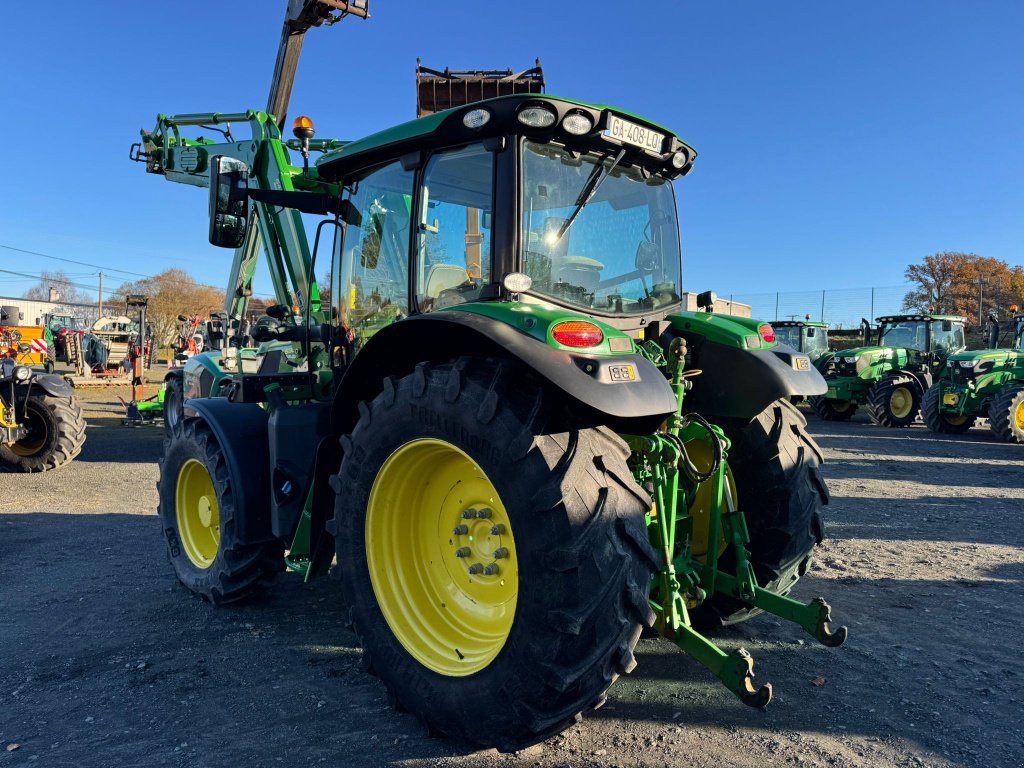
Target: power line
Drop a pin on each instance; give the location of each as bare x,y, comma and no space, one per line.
72,261
58,282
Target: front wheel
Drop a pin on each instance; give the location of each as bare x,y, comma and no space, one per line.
200,521
174,405
1006,415
936,420
776,466
494,555
895,401
55,433
828,409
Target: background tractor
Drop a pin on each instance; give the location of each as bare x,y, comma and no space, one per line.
517,446
890,378
805,336
27,344
41,425
984,383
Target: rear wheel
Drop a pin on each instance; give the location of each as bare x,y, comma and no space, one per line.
936,420
56,433
777,470
200,521
895,401
828,409
494,556
1006,415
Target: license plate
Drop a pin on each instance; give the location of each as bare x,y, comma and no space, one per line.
622,373
803,363
631,133
950,399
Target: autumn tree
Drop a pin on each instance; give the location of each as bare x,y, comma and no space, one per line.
170,293
948,283
59,281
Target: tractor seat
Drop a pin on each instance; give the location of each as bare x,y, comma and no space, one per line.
443,277
577,270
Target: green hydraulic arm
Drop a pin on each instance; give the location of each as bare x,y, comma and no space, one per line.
280,232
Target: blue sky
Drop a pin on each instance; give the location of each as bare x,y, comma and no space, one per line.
837,141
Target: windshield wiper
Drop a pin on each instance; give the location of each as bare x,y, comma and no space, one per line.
597,177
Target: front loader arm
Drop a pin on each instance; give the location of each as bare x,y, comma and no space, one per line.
279,231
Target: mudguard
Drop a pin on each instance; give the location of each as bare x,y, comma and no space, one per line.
740,383
589,382
241,431
50,383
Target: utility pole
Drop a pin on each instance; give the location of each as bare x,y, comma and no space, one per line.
981,300
101,293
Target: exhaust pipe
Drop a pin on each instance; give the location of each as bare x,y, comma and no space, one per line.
993,331
865,332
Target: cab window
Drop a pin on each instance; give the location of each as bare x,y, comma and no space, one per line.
370,277
949,340
453,240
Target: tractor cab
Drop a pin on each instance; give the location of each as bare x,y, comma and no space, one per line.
934,337
805,336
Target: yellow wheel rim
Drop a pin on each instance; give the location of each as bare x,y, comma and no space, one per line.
701,455
841,406
32,443
441,557
955,421
901,401
1018,415
197,514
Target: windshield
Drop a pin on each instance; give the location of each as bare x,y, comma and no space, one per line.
906,334
621,254
817,341
788,335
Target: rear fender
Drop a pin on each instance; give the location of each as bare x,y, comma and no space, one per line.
583,381
737,381
50,383
242,434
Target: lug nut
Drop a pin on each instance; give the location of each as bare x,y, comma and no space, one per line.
497,530
468,514
490,570
476,568
462,552
484,513
500,552
460,530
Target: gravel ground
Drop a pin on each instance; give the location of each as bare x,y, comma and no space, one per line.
106,661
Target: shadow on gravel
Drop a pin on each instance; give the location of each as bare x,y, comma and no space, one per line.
107,439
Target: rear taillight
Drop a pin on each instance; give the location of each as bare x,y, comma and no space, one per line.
577,333
767,333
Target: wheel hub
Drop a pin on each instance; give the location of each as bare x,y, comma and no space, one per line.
1018,415
900,402
441,557
197,514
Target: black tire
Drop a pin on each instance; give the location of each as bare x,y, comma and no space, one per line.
935,419
832,410
152,358
1006,414
584,562
881,400
174,405
56,434
238,570
777,468
48,366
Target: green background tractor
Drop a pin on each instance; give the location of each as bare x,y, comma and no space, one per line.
517,447
985,383
807,336
890,378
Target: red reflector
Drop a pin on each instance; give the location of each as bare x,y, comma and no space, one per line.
576,333
767,333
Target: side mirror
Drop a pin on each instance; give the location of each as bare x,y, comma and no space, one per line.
279,311
229,203
182,319
647,256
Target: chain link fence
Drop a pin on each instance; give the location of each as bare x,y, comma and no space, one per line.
839,307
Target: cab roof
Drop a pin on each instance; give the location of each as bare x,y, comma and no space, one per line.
920,316
446,128
798,324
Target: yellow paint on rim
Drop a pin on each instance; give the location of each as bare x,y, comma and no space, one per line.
841,406
955,421
198,516
1018,415
901,402
435,530
701,455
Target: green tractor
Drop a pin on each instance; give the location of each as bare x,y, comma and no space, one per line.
502,427
985,383
889,378
806,336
